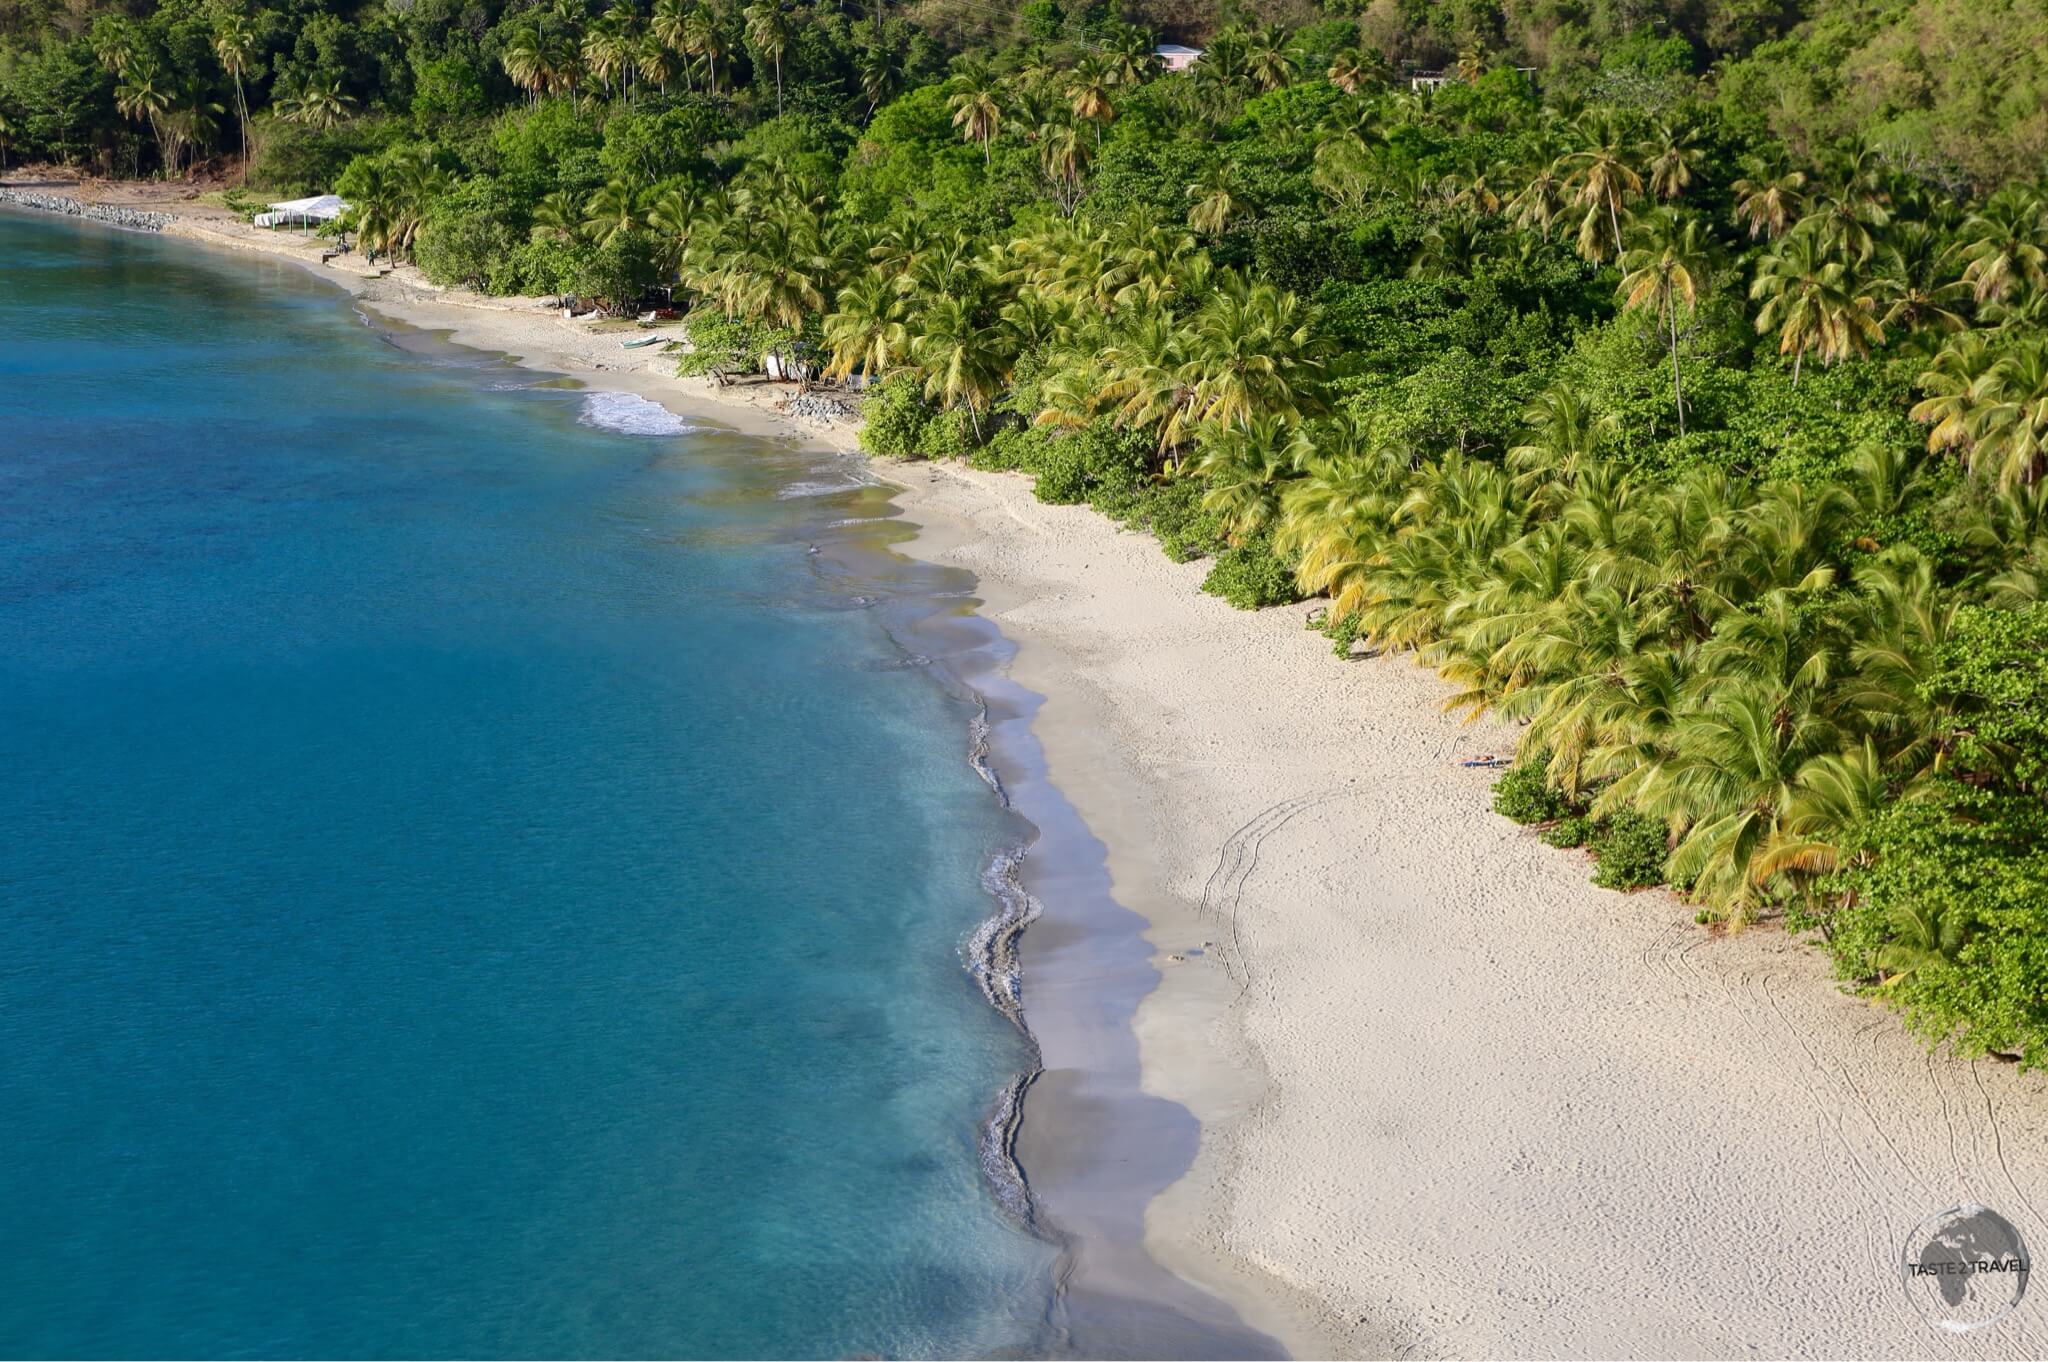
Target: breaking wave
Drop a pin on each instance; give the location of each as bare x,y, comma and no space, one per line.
631,414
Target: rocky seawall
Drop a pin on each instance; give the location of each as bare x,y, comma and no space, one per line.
136,219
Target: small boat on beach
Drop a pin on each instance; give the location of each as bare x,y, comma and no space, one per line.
642,342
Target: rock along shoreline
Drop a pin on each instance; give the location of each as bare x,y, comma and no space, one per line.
135,219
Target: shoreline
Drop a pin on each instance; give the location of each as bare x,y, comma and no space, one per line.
1112,1289
1410,1032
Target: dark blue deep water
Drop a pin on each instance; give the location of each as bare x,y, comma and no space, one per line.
471,881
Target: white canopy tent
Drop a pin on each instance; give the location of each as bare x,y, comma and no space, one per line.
303,212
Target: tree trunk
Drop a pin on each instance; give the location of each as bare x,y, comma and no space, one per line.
1798,357
242,106
1677,393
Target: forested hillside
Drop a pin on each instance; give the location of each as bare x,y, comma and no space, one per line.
1681,397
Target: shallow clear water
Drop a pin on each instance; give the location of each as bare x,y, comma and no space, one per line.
474,882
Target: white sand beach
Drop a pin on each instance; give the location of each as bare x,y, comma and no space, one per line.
1456,1101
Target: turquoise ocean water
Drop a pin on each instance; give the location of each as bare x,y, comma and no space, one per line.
474,882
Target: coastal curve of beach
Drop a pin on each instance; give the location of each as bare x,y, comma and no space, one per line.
1455,1100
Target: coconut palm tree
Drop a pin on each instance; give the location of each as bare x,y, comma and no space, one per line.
321,105
654,60
1268,64
1849,199
561,63
679,217
782,273
880,71
610,211
144,94
389,199
769,29
1357,68
867,331
1540,201
558,217
670,27
974,96
2005,245
1914,278
1925,937
525,60
1732,780
1814,301
193,121
1662,271
1768,200
965,362
1670,156
1061,155
234,43
1088,89
2007,415
1832,797
1245,469
1601,180
1129,50
1253,349
1450,248
607,51
1212,202
1136,378
705,37
1222,69
1950,382
1562,441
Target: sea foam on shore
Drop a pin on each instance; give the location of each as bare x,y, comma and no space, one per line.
631,414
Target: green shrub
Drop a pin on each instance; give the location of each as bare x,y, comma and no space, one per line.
1251,575
725,345
1523,795
1100,464
1171,508
1010,449
894,415
1114,462
1570,831
542,265
298,158
463,251
445,91
1342,633
468,234
947,435
618,271
1629,851
1062,473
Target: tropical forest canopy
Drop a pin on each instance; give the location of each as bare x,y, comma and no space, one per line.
1673,379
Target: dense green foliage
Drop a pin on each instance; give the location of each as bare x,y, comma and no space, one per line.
1687,404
